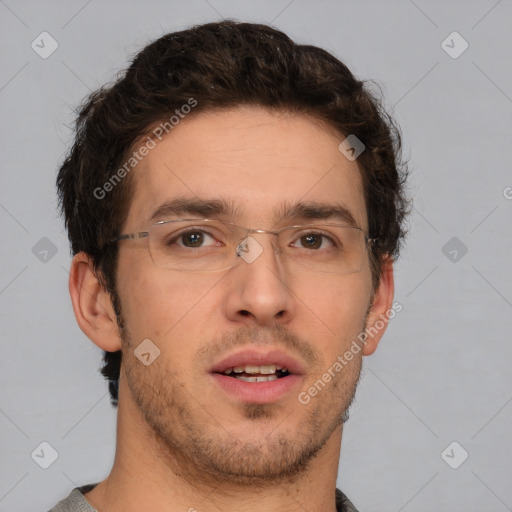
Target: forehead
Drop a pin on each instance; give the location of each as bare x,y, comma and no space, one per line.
259,163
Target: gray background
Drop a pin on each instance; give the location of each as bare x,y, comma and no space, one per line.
442,372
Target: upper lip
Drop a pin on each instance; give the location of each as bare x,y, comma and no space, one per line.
258,358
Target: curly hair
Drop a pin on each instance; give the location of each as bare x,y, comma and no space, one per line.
221,65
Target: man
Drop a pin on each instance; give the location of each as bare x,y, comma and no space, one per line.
234,205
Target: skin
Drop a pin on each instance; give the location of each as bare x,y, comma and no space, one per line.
183,443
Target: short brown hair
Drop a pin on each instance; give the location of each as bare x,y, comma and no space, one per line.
221,65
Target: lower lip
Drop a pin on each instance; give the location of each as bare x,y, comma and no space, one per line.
258,392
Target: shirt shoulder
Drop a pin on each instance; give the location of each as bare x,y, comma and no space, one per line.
343,504
76,501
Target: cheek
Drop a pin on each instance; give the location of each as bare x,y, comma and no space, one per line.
165,307
149,300
333,309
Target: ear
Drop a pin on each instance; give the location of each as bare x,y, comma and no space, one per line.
378,315
92,305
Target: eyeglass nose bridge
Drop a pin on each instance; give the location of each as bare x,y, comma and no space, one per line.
248,250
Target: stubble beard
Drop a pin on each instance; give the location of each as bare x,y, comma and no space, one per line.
197,445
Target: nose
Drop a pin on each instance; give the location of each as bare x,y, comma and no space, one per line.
258,288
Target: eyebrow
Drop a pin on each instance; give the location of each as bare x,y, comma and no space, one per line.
194,206
312,210
317,211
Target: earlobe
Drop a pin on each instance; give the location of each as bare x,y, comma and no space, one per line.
92,305
378,316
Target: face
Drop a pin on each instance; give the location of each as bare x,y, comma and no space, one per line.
256,313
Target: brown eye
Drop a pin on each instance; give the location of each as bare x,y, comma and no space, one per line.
192,239
311,241
314,241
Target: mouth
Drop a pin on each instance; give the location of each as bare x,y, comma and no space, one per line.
252,376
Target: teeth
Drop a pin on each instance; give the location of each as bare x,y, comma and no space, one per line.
256,379
268,369
247,379
266,379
